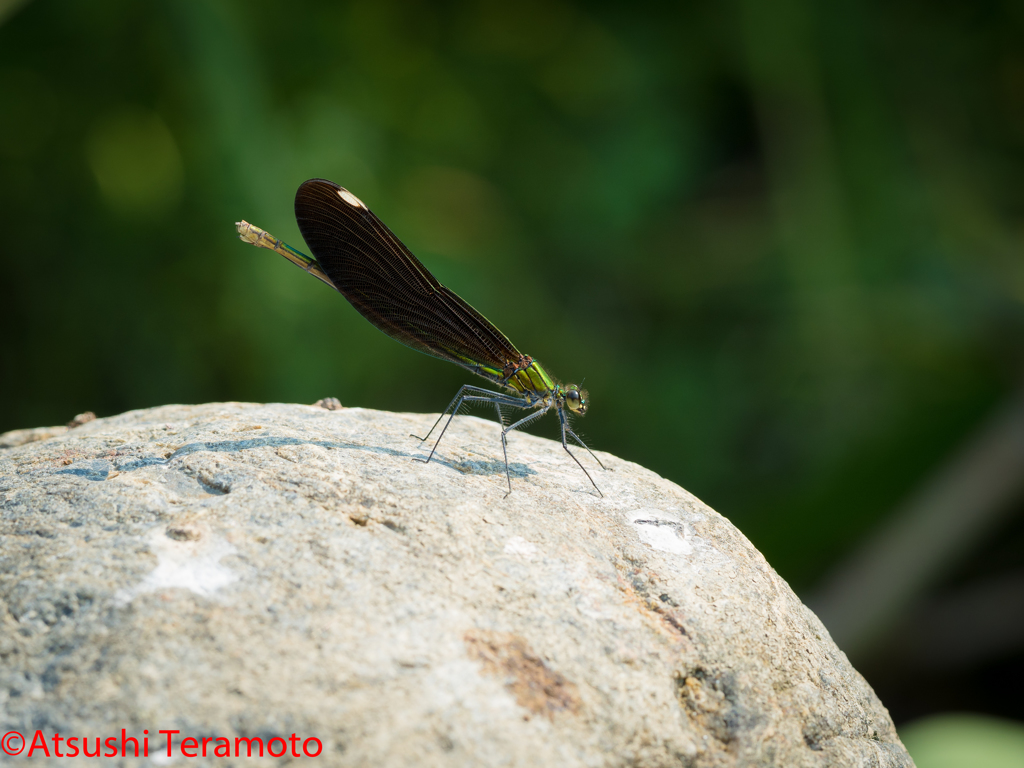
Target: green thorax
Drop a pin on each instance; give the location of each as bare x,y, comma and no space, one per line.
524,376
533,379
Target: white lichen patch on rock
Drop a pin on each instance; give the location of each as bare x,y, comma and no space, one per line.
662,531
235,570
187,559
517,545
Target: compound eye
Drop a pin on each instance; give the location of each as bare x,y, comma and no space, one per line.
573,399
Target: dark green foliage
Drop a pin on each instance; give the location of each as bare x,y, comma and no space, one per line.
781,241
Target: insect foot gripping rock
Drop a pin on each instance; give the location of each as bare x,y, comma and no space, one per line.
287,577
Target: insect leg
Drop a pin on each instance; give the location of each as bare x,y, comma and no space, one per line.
504,443
576,437
565,428
479,395
457,398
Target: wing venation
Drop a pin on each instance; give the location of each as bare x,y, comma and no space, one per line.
389,286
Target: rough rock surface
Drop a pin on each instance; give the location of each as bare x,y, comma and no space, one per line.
232,570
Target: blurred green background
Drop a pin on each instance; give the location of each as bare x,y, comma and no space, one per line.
782,242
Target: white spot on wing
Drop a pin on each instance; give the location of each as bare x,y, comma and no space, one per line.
351,199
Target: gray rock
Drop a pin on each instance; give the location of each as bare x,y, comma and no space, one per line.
18,437
235,570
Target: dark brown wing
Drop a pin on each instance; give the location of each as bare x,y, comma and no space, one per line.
389,286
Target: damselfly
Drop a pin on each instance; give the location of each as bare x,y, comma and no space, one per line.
354,253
